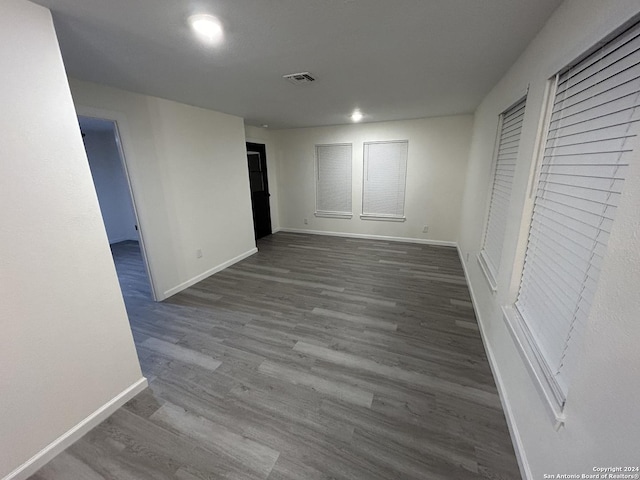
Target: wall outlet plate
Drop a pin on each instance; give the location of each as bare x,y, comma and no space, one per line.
198,253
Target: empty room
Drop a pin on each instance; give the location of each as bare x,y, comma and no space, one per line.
296,239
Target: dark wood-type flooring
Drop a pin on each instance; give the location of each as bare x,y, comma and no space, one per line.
317,358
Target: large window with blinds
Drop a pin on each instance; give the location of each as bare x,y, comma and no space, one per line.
333,180
385,176
593,127
510,127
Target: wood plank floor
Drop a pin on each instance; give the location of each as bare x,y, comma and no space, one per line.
317,358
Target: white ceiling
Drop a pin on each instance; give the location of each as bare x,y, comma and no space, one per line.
393,59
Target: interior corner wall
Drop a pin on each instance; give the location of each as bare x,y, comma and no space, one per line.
111,185
436,169
188,171
263,135
601,409
66,349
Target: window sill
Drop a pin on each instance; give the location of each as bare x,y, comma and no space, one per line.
484,266
385,218
334,214
521,336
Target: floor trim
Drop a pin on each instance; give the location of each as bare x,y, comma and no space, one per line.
64,441
424,241
516,439
208,273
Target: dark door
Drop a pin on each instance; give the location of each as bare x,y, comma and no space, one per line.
257,158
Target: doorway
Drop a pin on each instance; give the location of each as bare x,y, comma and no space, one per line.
257,162
110,179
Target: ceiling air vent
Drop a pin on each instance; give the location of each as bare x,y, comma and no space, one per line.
300,78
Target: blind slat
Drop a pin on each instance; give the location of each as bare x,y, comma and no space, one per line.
622,91
594,218
612,46
594,195
619,71
607,64
600,119
603,145
574,253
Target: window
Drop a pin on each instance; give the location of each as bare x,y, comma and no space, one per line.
333,181
504,168
592,131
385,174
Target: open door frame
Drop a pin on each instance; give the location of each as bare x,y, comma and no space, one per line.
120,125
260,200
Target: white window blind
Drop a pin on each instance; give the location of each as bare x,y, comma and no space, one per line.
333,180
592,132
505,165
385,175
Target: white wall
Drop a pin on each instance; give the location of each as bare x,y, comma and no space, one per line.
188,171
265,136
111,185
602,405
438,152
66,348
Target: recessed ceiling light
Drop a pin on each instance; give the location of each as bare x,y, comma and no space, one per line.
356,116
264,125
207,27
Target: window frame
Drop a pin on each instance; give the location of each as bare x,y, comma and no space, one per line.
380,216
316,163
492,277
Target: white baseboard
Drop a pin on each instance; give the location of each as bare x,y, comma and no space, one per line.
423,241
208,273
276,230
64,441
518,447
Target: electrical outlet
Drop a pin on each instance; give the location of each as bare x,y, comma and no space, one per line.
467,258
425,229
306,222
198,253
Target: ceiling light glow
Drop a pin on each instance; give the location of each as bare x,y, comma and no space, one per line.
356,116
207,27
